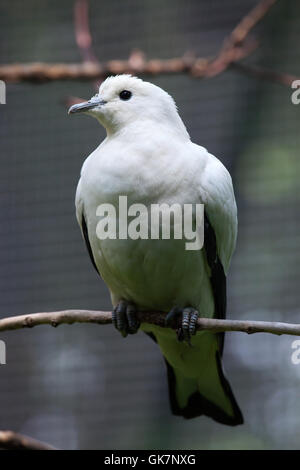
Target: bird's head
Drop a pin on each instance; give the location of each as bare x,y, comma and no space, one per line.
124,100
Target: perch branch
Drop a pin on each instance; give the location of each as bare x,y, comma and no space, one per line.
13,441
156,318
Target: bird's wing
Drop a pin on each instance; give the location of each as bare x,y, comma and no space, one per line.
79,204
216,192
220,229
208,392
83,224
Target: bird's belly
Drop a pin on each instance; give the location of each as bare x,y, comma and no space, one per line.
155,274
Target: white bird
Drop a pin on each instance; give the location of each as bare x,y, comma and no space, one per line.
148,156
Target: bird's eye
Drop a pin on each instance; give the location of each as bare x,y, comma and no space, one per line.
125,95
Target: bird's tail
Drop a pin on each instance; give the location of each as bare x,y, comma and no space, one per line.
209,394
197,384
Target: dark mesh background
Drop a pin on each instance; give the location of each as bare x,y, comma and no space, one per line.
83,386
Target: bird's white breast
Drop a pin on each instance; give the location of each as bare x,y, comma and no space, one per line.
155,274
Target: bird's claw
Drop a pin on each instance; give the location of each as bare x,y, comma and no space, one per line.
124,318
188,322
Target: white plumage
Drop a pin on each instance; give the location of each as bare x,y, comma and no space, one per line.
149,157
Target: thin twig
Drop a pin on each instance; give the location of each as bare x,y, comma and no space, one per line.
264,74
82,31
83,34
156,318
10,440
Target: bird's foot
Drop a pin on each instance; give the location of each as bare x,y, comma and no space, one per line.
124,318
187,328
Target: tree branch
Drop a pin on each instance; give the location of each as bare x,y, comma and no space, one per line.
241,31
82,31
262,73
157,318
40,72
234,48
13,441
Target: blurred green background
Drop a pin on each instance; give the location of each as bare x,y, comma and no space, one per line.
85,386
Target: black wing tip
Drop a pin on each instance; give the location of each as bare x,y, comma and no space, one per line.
87,242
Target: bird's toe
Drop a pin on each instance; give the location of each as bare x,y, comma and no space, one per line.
132,319
193,322
187,326
124,318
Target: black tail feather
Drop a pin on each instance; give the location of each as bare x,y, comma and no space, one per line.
199,405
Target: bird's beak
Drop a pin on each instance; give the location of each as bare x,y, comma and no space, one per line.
85,106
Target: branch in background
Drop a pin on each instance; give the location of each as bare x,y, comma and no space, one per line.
83,35
247,23
40,72
234,48
103,318
12,441
82,31
264,74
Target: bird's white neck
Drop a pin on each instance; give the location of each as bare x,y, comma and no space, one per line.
145,128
